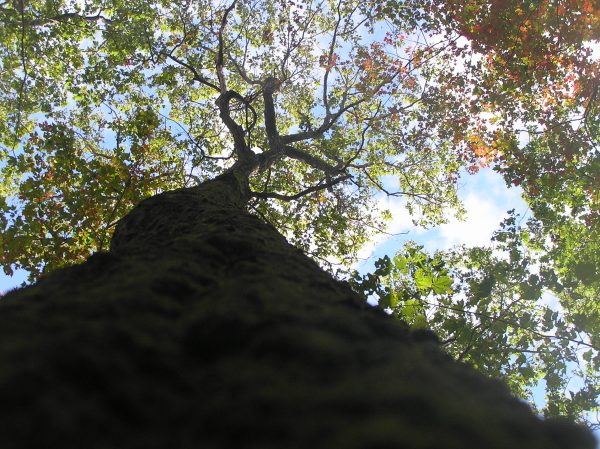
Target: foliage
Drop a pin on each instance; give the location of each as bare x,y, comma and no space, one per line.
364,96
123,99
536,76
502,309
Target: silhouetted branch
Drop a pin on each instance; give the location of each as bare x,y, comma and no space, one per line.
318,187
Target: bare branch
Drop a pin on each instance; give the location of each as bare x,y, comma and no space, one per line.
219,63
197,76
269,87
321,186
311,160
328,67
327,124
292,46
399,192
242,72
195,139
23,83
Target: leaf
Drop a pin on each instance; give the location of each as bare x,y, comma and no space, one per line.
393,300
400,263
410,310
385,301
423,281
420,322
442,284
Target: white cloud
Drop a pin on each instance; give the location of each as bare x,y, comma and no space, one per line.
486,199
483,216
398,229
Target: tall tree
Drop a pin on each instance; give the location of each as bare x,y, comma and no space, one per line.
123,99
307,107
118,99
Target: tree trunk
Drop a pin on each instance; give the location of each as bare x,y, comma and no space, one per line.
203,328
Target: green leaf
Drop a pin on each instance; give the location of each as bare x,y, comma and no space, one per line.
420,322
393,300
442,284
410,309
423,281
400,263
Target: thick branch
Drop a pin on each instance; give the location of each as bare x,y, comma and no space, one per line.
219,63
269,87
318,187
311,160
236,130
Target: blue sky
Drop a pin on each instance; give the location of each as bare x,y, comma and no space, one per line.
8,282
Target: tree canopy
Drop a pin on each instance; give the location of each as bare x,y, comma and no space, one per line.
326,104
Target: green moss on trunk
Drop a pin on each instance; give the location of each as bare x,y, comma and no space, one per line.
204,328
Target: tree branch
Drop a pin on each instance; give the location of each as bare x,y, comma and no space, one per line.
269,87
311,160
68,16
398,193
327,124
236,130
242,72
321,186
197,76
219,62
513,324
328,67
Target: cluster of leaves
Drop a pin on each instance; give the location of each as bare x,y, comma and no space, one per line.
533,71
74,190
117,100
534,115
537,83
500,308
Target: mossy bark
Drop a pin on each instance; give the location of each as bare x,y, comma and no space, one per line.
203,328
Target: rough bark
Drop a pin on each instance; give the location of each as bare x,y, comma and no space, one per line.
203,328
